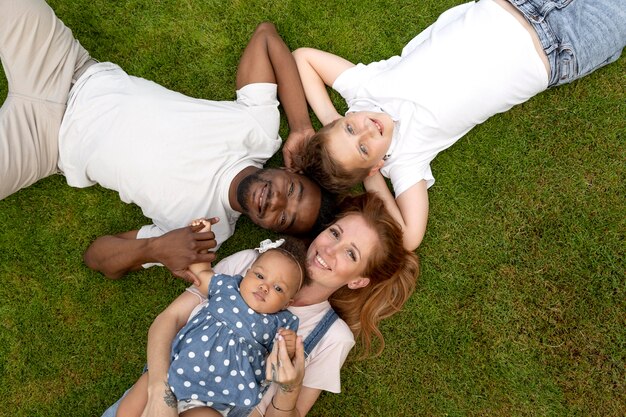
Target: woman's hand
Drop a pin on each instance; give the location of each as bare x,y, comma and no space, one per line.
283,371
290,340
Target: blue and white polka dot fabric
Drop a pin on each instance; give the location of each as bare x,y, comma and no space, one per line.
219,356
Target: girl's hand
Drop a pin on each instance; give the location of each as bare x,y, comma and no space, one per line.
290,340
280,369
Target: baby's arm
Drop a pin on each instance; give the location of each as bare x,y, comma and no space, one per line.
317,70
202,270
409,209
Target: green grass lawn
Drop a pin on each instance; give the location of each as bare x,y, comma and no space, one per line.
521,304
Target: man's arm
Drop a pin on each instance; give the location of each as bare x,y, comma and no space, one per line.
116,255
267,59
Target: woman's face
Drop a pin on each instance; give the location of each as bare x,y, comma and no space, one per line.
340,253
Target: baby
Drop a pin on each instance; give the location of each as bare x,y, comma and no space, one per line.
218,357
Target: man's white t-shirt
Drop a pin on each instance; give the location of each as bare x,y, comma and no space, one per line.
174,156
475,61
323,365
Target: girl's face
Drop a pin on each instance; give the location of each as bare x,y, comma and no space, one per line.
338,256
270,283
361,139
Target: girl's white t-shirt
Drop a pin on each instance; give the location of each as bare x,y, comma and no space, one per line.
475,61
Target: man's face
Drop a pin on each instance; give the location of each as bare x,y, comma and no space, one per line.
280,200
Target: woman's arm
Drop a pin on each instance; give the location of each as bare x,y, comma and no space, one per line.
409,209
116,255
161,401
319,69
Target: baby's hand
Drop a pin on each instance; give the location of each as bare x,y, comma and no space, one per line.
290,340
202,221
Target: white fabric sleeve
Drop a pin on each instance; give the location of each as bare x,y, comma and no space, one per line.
404,176
146,232
237,263
260,100
196,291
348,83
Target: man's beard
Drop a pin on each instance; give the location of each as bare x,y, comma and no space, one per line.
243,190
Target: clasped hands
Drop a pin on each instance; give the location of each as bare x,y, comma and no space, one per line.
182,247
285,364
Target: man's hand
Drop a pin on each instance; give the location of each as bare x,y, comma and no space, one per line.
294,145
180,248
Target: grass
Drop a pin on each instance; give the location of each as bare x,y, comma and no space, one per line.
520,305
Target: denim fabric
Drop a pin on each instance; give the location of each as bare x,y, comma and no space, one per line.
112,410
578,36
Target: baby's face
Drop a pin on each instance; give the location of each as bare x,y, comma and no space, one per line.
361,139
271,282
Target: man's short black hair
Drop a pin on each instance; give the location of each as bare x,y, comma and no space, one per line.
328,211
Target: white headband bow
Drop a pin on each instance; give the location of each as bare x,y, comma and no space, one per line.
267,244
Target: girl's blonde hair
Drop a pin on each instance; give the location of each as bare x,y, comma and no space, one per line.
317,163
392,271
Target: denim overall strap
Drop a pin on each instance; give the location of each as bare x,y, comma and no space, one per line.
319,331
309,344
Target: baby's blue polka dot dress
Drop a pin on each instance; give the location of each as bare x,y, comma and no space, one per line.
218,357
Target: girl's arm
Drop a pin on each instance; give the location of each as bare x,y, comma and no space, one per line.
409,209
161,401
204,272
319,69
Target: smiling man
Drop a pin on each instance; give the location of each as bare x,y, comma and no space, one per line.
278,200
215,172
176,157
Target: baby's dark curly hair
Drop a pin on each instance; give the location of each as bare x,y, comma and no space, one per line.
296,249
